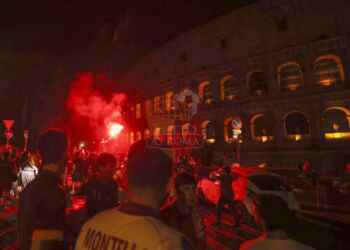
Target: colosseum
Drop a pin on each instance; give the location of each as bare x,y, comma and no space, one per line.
281,68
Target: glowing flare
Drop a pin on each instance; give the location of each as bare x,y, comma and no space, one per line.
115,129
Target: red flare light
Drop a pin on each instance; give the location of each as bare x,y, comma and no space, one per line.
115,129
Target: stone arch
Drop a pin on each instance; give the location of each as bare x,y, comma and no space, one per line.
290,76
261,130
297,126
328,70
336,123
228,88
205,92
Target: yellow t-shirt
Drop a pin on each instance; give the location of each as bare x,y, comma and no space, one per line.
116,230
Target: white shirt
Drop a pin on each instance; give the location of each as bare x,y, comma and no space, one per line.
114,229
28,174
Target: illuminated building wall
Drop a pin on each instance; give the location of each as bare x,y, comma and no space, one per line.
283,71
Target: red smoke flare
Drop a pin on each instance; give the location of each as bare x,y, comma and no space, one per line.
114,129
91,111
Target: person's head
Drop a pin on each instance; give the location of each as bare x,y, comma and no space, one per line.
106,165
52,146
185,186
23,160
227,169
148,174
32,159
275,212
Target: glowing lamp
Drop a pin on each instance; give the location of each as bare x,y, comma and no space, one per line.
115,129
298,137
337,135
326,82
335,126
293,86
212,140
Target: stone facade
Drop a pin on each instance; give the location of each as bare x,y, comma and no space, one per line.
311,35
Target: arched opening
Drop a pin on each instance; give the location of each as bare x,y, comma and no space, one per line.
208,132
131,138
138,136
228,130
336,123
185,131
290,76
169,101
261,128
205,92
138,111
258,83
228,88
157,105
147,134
328,70
297,126
156,134
188,132
170,135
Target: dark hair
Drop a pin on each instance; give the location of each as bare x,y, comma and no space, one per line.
275,212
184,179
227,169
105,158
147,167
24,160
52,146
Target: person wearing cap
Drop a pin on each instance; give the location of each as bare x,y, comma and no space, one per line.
41,209
102,191
136,224
182,212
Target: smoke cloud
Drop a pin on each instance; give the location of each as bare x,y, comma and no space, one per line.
91,109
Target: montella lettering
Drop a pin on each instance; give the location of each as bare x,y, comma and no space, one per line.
97,240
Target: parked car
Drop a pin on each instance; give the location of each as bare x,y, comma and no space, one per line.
251,183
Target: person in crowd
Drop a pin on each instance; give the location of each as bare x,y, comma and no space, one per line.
227,196
275,214
101,190
7,175
136,224
42,203
80,171
183,212
307,171
29,171
346,174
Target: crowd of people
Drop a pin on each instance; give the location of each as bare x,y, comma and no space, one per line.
144,202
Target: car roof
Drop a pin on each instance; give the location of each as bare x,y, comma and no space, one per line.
253,171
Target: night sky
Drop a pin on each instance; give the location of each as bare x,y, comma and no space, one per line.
66,33
65,26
